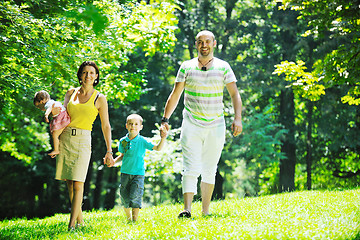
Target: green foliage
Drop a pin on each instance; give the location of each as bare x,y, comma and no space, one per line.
43,51
299,215
256,151
304,83
338,23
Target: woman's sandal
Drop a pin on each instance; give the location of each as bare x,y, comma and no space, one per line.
184,214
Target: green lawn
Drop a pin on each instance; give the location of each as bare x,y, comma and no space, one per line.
299,215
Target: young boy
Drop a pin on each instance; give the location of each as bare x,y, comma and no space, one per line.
132,149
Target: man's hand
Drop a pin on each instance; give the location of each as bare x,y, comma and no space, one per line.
236,127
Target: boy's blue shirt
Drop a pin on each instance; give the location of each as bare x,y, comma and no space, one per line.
134,153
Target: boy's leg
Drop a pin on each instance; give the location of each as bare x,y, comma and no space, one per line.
135,214
136,194
55,135
125,194
128,213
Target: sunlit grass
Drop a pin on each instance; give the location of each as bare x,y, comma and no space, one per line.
299,215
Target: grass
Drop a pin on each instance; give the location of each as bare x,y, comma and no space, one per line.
298,215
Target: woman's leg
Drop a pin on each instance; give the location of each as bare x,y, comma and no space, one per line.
76,191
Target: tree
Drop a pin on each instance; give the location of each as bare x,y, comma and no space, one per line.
337,20
44,53
42,46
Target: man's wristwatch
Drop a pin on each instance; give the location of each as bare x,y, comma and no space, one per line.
164,119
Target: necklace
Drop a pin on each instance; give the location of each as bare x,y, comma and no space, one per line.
203,68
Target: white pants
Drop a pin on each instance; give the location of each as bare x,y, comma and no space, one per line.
201,148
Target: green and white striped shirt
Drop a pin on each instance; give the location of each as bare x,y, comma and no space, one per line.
203,98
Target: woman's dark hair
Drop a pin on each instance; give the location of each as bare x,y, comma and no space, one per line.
88,63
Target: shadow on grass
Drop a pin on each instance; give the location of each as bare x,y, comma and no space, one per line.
356,237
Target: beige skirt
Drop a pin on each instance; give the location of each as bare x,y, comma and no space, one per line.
75,150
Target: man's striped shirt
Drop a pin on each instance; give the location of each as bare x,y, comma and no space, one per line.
203,98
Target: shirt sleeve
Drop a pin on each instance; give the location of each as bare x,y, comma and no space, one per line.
49,104
147,144
181,75
229,75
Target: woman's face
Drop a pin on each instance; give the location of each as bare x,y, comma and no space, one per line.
88,75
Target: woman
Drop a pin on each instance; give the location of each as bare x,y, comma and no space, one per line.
83,105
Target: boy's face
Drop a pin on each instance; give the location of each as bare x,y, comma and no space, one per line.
134,126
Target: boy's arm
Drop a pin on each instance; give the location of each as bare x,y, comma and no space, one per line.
163,134
115,160
160,145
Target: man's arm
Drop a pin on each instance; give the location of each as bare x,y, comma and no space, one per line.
173,101
236,126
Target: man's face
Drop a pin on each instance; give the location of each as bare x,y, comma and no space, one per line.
205,45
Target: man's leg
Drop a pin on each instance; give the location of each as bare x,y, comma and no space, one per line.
212,149
206,194
188,198
191,143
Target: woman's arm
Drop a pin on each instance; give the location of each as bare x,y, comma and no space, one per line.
56,110
102,106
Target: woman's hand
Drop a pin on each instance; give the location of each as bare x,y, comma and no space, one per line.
55,110
109,160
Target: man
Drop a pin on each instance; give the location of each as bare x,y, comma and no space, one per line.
203,127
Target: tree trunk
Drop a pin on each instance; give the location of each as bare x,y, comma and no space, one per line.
309,144
218,189
113,186
98,189
287,119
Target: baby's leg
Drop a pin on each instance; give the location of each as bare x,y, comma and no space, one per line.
55,136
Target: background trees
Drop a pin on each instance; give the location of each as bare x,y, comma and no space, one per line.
283,59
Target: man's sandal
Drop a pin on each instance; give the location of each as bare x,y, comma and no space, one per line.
184,214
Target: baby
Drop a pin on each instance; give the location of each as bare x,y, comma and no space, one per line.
58,123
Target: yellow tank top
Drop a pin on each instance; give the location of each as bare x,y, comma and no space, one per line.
82,115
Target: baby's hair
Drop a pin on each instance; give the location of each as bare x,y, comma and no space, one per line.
134,116
41,95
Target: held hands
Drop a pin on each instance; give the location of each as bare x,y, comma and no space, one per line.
163,131
109,160
165,125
